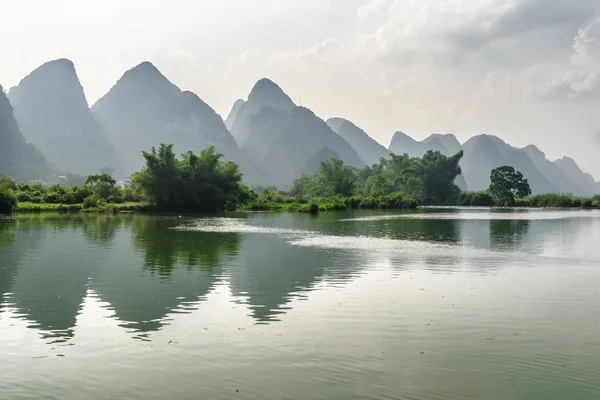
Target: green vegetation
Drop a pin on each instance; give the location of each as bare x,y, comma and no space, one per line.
8,200
192,183
205,183
397,182
506,184
485,199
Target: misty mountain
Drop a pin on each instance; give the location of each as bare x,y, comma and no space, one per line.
233,113
446,144
53,114
313,164
403,144
577,176
369,150
264,94
144,109
282,136
563,181
18,159
483,153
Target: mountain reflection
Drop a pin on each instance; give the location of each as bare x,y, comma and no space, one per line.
144,269
168,270
165,247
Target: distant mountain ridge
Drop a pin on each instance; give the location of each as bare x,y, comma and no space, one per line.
53,114
18,159
144,109
482,153
47,126
369,150
283,137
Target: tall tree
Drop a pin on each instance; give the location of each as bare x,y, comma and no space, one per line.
506,184
192,183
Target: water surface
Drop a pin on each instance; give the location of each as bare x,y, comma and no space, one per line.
432,304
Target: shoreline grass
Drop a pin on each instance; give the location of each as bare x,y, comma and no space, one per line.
321,205
23,207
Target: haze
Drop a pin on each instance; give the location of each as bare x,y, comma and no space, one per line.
527,71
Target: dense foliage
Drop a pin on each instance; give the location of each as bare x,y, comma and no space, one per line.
506,184
8,200
191,183
204,182
428,180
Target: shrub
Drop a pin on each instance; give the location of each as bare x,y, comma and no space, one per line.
91,201
8,200
313,208
481,199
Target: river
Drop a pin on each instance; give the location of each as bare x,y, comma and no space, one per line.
428,304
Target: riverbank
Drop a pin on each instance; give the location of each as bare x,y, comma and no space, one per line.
75,208
292,204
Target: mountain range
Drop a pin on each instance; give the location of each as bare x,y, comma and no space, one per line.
18,159
53,114
49,127
282,136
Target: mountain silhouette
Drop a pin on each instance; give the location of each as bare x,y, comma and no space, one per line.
18,159
144,109
233,113
576,175
369,150
313,164
483,153
563,181
282,136
53,114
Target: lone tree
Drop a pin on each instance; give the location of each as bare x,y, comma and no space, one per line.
506,184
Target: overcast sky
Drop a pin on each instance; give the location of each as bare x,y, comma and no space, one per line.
525,70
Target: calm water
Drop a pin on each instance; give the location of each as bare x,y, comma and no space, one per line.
435,304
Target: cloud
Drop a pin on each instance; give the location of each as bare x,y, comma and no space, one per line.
582,79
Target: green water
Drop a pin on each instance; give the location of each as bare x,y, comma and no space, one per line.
432,304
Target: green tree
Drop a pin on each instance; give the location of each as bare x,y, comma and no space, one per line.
201,182
506,184
8,182
102,185
438,175
8,200
335,178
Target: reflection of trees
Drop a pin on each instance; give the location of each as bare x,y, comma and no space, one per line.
8,259
430,230
191,262
101,229
164,246
508,234
6,235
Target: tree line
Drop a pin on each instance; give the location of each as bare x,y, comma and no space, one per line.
205,182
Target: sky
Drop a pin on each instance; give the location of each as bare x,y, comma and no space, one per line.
527,71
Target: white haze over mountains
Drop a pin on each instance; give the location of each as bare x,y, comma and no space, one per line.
527,71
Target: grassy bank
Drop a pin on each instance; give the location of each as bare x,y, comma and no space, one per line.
74,208
300,204
485,199
336,203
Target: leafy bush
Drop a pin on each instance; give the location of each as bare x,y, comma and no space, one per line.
311,208
481,199
8,200
91,201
